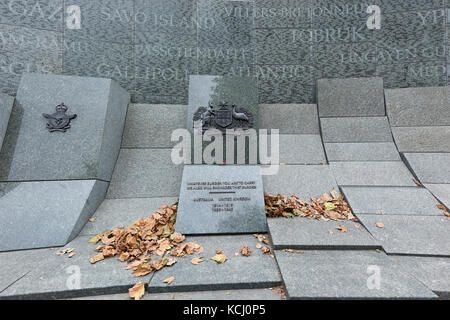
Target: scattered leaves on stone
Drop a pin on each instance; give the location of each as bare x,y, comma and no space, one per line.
150,236
327,207
245,251
444,209
138,291
64,251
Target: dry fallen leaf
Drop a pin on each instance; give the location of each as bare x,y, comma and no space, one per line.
292,251
138,291
245,251
266,250
342,228
91,219
219,258
380,224
97,258
72,254
258,246
417,182
441,206
169,280
197,260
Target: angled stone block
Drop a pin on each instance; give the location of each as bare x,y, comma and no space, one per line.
363,151
46,213
6,104
441,192
87,150
422,139
372,173
357,129
104,277
145,173
151,126
432,272
351,97
411,235
430,167
303,181
290,118
391,201
410,107
238,272
113,213
307,234
300,149
313,275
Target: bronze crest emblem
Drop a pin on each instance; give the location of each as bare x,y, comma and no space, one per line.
59,121
223,118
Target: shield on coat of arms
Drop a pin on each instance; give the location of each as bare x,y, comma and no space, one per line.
224,118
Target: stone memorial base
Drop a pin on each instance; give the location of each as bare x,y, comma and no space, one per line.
46,213
221,200
57,158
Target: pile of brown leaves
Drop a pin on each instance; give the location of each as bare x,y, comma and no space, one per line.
151,236
325,207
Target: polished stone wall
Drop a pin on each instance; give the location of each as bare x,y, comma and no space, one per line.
152,46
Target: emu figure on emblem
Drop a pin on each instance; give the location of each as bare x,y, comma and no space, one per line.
59,121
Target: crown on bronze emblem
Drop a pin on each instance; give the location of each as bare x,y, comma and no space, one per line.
61,107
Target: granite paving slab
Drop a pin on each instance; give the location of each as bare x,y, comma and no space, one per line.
441,192
373,173
300,149
410,234
351,97
6,104
371,151
151,126
238,272
432,272
391,201
145,173
303,181
241,294
347,275
46,213
405,107
430,167
303,233
114,213
64,277
422,139
16,264
356,129
290,118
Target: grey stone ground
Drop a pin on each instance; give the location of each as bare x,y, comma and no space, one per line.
407,258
